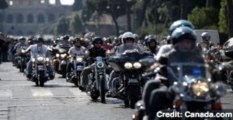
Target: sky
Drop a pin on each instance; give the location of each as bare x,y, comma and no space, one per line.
65,2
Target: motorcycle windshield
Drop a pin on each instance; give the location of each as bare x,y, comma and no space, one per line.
123,49
188,72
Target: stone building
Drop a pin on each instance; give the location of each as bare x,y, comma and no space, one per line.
27,17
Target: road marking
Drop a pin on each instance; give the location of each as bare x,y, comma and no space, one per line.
41,92
6,93
76,92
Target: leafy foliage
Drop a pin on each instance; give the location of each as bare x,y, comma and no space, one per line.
202,17
78,5
76,24
3,4
62,26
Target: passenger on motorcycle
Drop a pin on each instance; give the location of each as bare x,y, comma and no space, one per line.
38,49
206,43
76,50
157,95
94,52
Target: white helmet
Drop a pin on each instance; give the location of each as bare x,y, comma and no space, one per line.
128,35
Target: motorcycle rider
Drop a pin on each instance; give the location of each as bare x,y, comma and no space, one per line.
17,49
184,50
94,52
206,43
20,45
41,49
153,84
151,43
128,43
76,50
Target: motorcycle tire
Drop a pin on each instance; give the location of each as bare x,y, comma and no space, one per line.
94,94
41,79
133,96
36,82
102,90
21,69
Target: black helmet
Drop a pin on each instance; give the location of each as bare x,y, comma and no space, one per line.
22,38
205,36
97,40
77,39
180,23
66,37
40,39
150,39
183,33
168,39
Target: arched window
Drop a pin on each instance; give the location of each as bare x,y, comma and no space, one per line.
51,17
19,18
9,18
30,18
40,18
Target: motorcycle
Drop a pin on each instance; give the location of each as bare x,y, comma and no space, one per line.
97,80
24,58
60,62
78,65
131,65
193,89
40,65
226,69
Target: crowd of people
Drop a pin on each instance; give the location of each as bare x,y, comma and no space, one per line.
180,46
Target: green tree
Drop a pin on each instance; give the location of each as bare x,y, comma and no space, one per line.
78,5
204,17
230,17
3,4
222,17
62,26
114,8
76,25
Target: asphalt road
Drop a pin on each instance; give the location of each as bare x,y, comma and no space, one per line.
58,100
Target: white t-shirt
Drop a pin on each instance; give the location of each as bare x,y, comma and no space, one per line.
76,52
37,50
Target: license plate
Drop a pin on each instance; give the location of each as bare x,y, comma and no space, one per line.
79,68
40,67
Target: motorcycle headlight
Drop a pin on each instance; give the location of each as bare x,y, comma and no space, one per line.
57,55
200,88
22,51
33,59
100,65
40,58
47,59
220,89
128,65
79,59
63,55
137,65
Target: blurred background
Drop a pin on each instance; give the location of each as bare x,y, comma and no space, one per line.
112,17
